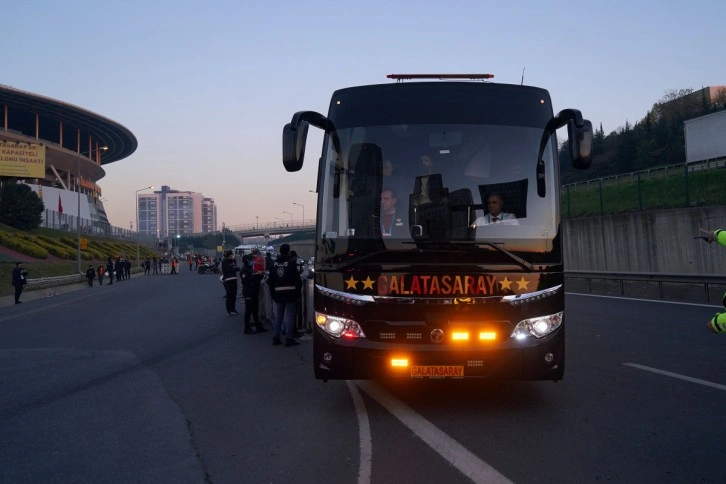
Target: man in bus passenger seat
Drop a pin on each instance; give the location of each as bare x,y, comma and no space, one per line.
392,223
495,215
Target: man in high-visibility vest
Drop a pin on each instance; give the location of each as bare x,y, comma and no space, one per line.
717,324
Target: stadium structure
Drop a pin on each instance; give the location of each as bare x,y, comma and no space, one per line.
59,150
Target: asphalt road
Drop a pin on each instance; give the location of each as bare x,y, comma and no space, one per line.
148,380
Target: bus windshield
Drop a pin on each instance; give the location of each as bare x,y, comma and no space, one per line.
418,186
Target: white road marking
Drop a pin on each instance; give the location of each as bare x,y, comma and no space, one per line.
366,446
456,454
717,386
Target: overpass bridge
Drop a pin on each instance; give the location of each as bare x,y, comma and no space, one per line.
271,228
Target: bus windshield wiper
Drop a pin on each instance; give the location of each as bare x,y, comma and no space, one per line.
353,259
441,245
495,245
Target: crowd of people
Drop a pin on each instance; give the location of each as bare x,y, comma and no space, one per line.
282,276
118,269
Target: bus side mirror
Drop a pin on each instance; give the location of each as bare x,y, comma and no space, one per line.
293,145
580,143
295,134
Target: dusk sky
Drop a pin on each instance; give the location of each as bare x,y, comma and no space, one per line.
206,87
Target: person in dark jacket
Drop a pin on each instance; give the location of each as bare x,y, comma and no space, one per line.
285,285
251,292
110,270
90,275
20,279
118,268
229,278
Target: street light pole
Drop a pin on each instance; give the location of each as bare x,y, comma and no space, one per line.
78,213
78,197
303,209
285,211
138,231
257,226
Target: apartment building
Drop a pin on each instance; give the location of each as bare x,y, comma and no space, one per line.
168,213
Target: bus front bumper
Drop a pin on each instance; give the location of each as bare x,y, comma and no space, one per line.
360,359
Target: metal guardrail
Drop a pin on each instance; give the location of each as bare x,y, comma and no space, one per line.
707,280
45,282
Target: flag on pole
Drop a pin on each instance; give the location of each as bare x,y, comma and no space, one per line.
60,205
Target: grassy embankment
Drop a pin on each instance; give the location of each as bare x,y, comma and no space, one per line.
54,253
704,188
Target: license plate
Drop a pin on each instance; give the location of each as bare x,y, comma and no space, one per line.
437,371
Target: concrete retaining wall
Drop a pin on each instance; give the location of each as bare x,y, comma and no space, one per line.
652,241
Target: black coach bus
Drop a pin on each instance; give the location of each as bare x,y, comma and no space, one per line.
438,241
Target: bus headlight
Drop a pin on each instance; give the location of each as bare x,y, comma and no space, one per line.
538,327
339,327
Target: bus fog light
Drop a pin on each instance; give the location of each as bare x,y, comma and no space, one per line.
399,362
538,327
327,357
549,358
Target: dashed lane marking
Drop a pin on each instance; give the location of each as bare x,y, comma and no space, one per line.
707,383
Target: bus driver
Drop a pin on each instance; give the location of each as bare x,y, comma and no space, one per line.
495,215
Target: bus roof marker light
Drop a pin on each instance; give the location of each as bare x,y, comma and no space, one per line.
402,77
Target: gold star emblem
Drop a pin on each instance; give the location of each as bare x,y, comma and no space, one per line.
351,283
506,283
368,283
522,283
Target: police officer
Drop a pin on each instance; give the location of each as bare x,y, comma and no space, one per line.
718,322
285,285
229,278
